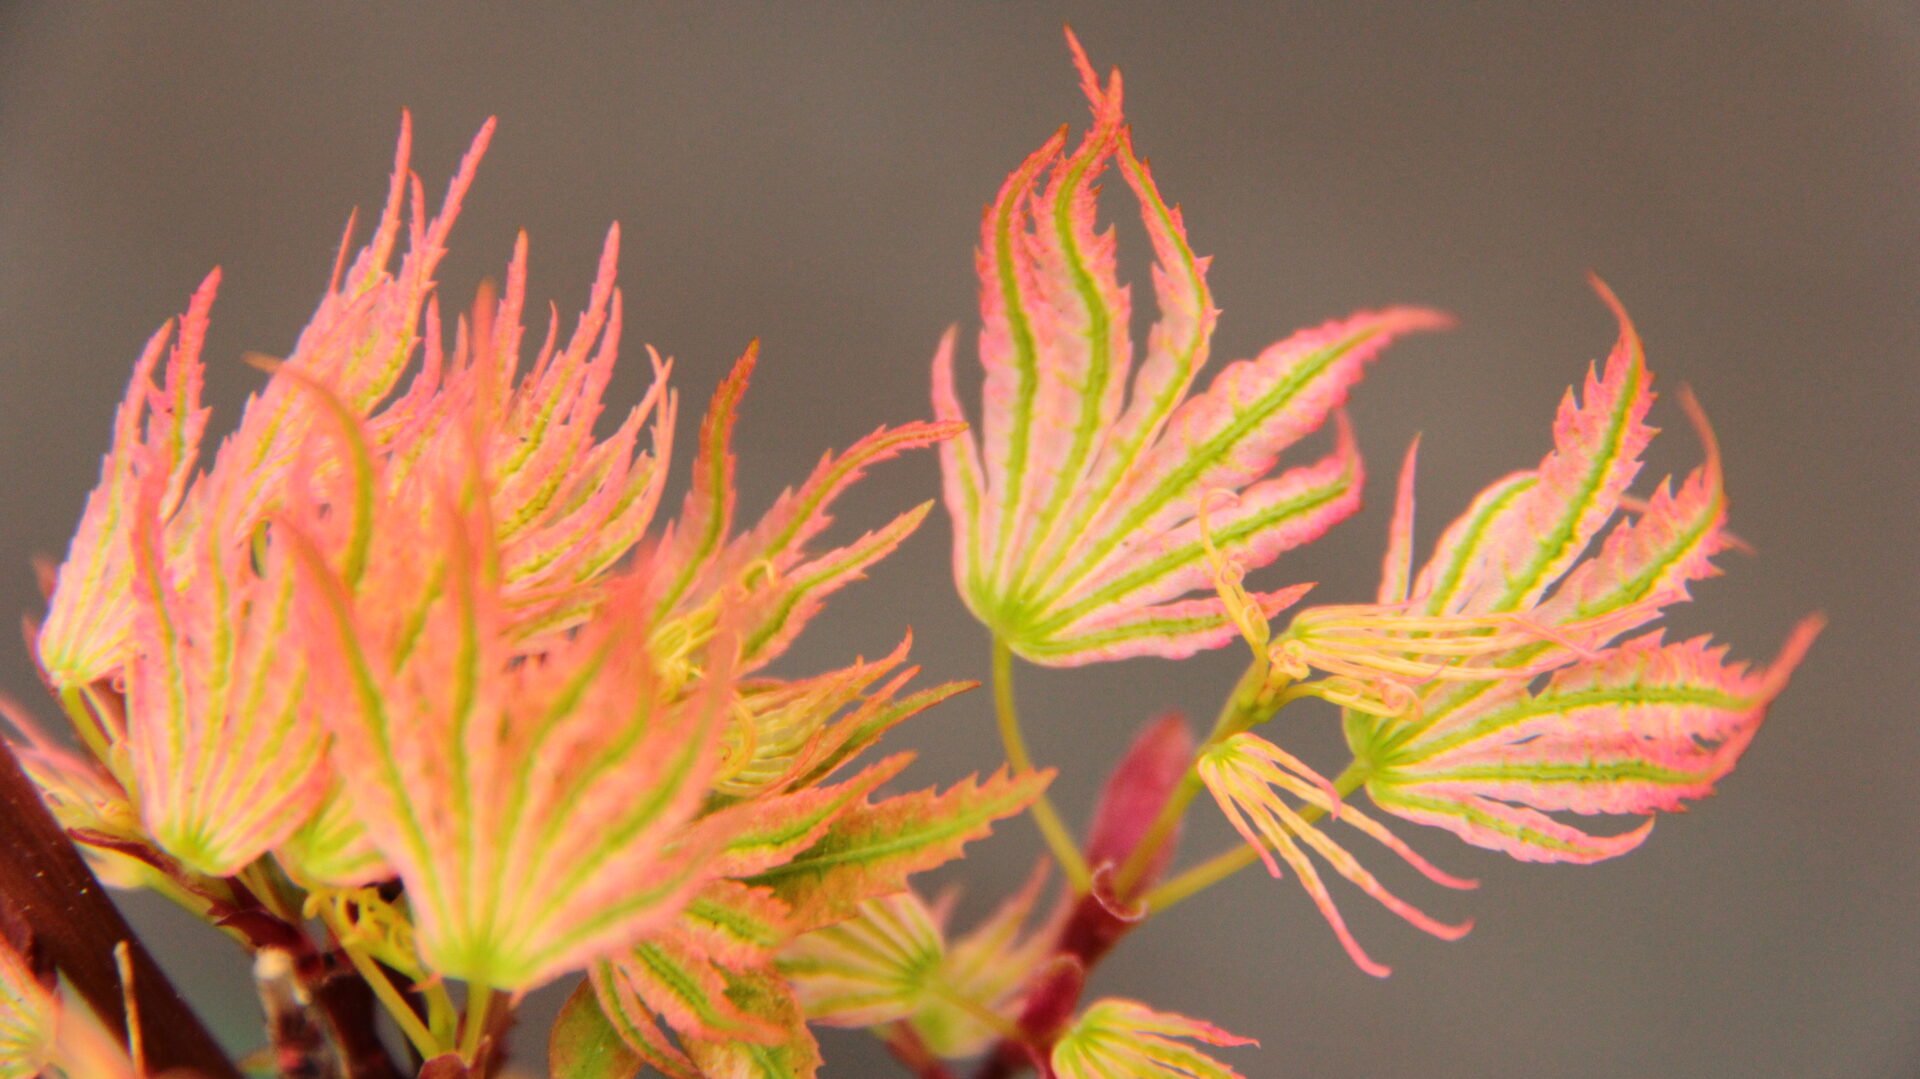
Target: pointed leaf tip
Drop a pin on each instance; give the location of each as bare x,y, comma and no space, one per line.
1396,574
1089,78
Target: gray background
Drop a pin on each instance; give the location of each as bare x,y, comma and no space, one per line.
1745,175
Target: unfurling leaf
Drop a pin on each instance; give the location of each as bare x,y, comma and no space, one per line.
1247,775
783,582
1124,1039
156,439
989,970
226,758
893,961
873,968
574,774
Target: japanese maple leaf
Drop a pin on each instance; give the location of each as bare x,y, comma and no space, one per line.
1491,691
1083,512
1618,728
1124,1039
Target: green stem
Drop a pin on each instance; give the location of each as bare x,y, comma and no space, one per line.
78,704
443,1018
1059,839
910,1049
259,878
1201,877
1250,703
376,979
1226,864
994,1021
479,1002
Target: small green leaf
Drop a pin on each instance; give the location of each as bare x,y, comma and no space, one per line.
1124,1039
583,1045
766,997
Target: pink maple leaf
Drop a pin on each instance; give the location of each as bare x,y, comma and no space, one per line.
1081,514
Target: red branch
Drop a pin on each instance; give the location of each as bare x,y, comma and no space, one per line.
45,882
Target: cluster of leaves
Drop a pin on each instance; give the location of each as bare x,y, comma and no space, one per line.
1483,695
407,656
413,662
1492,690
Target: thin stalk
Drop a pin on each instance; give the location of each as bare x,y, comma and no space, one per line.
257,877
479,1002
1226,864
999,1024
87,723
1252,701
443,1018
910,1049
194,903
1202,876
1052,827
136,1038
389,996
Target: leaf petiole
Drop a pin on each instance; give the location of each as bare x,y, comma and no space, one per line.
1052,827
479,1003
1253,701
383,988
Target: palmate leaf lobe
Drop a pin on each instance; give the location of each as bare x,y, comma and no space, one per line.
1647,727
157,432
872,849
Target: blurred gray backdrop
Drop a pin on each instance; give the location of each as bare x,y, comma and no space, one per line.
1746,176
